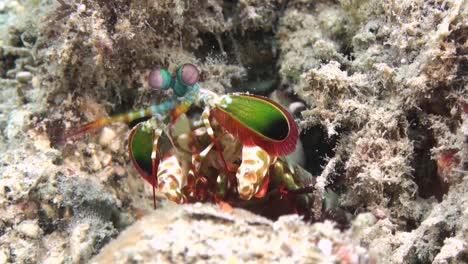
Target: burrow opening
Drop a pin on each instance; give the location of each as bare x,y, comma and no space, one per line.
425,168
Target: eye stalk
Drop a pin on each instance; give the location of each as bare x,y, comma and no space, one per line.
187,76
160,79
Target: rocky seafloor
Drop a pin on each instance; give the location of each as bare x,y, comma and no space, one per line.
378,88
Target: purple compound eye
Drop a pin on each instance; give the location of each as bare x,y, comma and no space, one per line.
188,74
159,79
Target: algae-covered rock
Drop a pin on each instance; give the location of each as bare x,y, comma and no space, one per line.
378,88
197,233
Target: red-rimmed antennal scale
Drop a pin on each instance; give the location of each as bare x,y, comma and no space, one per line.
256,120
140,145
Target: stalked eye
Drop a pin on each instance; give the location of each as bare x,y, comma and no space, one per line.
159,79
188,74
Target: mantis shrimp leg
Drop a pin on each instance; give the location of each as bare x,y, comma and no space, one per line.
155,159
206,121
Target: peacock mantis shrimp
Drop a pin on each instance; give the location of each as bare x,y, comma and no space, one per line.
266,131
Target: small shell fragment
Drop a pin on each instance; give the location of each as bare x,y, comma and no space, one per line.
24,76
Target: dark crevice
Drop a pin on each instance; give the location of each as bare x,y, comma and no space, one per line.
253,50
6,63
211,46
436,103
229,8
347,49
411,224
318,147
45,223
425,168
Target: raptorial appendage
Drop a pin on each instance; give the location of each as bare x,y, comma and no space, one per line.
252,174
171,179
